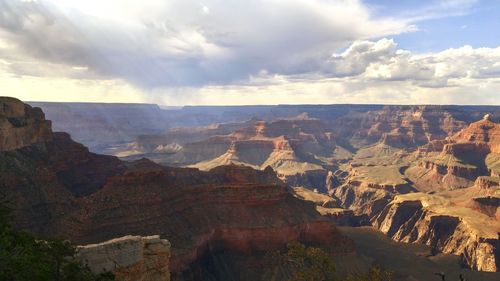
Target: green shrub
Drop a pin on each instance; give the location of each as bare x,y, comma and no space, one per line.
23,256
303,263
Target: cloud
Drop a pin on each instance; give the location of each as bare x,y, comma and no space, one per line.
381,60
182,42
233,52
366,72
369,72
355,59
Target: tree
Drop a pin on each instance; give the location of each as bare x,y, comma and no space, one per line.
375,273
24,256
302,263
311,264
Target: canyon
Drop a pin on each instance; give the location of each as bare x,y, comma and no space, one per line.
443,194
61,189
367,161
226,185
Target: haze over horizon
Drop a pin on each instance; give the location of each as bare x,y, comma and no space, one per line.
251,52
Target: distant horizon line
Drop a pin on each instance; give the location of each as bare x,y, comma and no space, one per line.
248,105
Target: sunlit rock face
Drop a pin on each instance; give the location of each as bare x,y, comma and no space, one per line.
437,222
402,126
444,194
463,157
21,125
129,258
407,126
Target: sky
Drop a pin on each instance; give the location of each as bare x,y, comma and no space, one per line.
239,52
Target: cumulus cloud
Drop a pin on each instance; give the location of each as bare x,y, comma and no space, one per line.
381,60
355,59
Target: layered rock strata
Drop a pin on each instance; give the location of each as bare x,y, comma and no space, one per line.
229,208
422,218
463,157
458,214
404,126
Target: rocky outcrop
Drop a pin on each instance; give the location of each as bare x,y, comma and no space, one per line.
463,158
251,153
430,220
485,182
21,125
312,179
367,189
402,126
129,258
363,199
320,199
330,208
488,205
280,145
331,182
432,176
485,131
48,172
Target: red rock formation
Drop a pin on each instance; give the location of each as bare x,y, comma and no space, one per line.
21,125
288,146
487,205
462,158
484,131
403,125
487,183
396,139
423,219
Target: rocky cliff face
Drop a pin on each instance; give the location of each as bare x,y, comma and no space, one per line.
458,214
487,183
407,126
363,199
21,125
463,157
296,148
462,222
129,258
427,219
485,131
207,211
